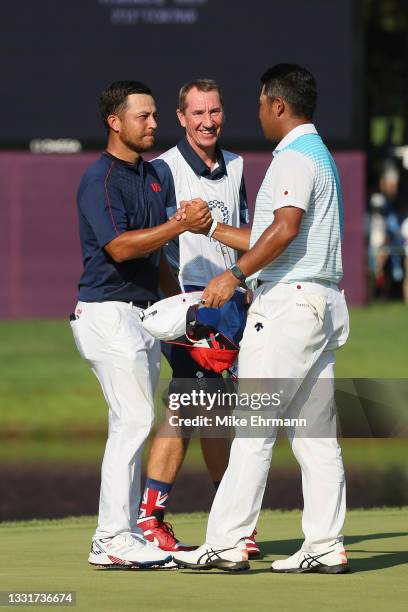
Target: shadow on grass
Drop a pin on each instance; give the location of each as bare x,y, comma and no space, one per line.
378,562
382,560
288,547
352,539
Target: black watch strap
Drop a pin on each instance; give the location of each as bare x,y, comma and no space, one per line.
237,272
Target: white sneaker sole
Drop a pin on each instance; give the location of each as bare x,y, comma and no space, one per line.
342,568
107,563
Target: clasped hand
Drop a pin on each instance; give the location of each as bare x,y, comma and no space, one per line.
195,215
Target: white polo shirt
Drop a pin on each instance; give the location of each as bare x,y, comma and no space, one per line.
303,174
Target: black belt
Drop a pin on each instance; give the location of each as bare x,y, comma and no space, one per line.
139,303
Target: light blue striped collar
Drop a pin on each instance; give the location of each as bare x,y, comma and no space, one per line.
300,130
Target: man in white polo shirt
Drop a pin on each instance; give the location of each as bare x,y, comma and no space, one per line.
297,319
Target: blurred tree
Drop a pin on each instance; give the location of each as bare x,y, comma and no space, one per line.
386,26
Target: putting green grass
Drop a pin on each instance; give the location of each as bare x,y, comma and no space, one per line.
51,556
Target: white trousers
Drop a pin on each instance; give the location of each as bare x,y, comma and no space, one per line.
126,361
291,333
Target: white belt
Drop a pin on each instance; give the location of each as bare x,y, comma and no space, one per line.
319,281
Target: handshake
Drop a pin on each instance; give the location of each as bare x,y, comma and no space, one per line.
194,215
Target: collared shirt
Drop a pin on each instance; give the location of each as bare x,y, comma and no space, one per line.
303,174
115,196
198,165
185,176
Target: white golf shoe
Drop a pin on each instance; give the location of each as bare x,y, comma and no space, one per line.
126,551
230,559
330,561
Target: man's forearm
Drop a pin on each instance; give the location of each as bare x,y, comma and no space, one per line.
268,247
274,240
139,243
234,237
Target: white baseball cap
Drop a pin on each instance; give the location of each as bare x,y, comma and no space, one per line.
166,319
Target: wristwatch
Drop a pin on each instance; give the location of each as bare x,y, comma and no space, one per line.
238,273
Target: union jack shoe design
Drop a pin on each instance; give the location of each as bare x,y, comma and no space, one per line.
126,551
251,546
161,534
206,557
331,561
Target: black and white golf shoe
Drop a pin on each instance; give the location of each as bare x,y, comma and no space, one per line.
331,561
206,557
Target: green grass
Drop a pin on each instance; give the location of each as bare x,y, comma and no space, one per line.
44,386
378,343
47,390
48,395
51,556
382,454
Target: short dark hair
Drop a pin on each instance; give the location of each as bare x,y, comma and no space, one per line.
201,85
296,85
113,99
